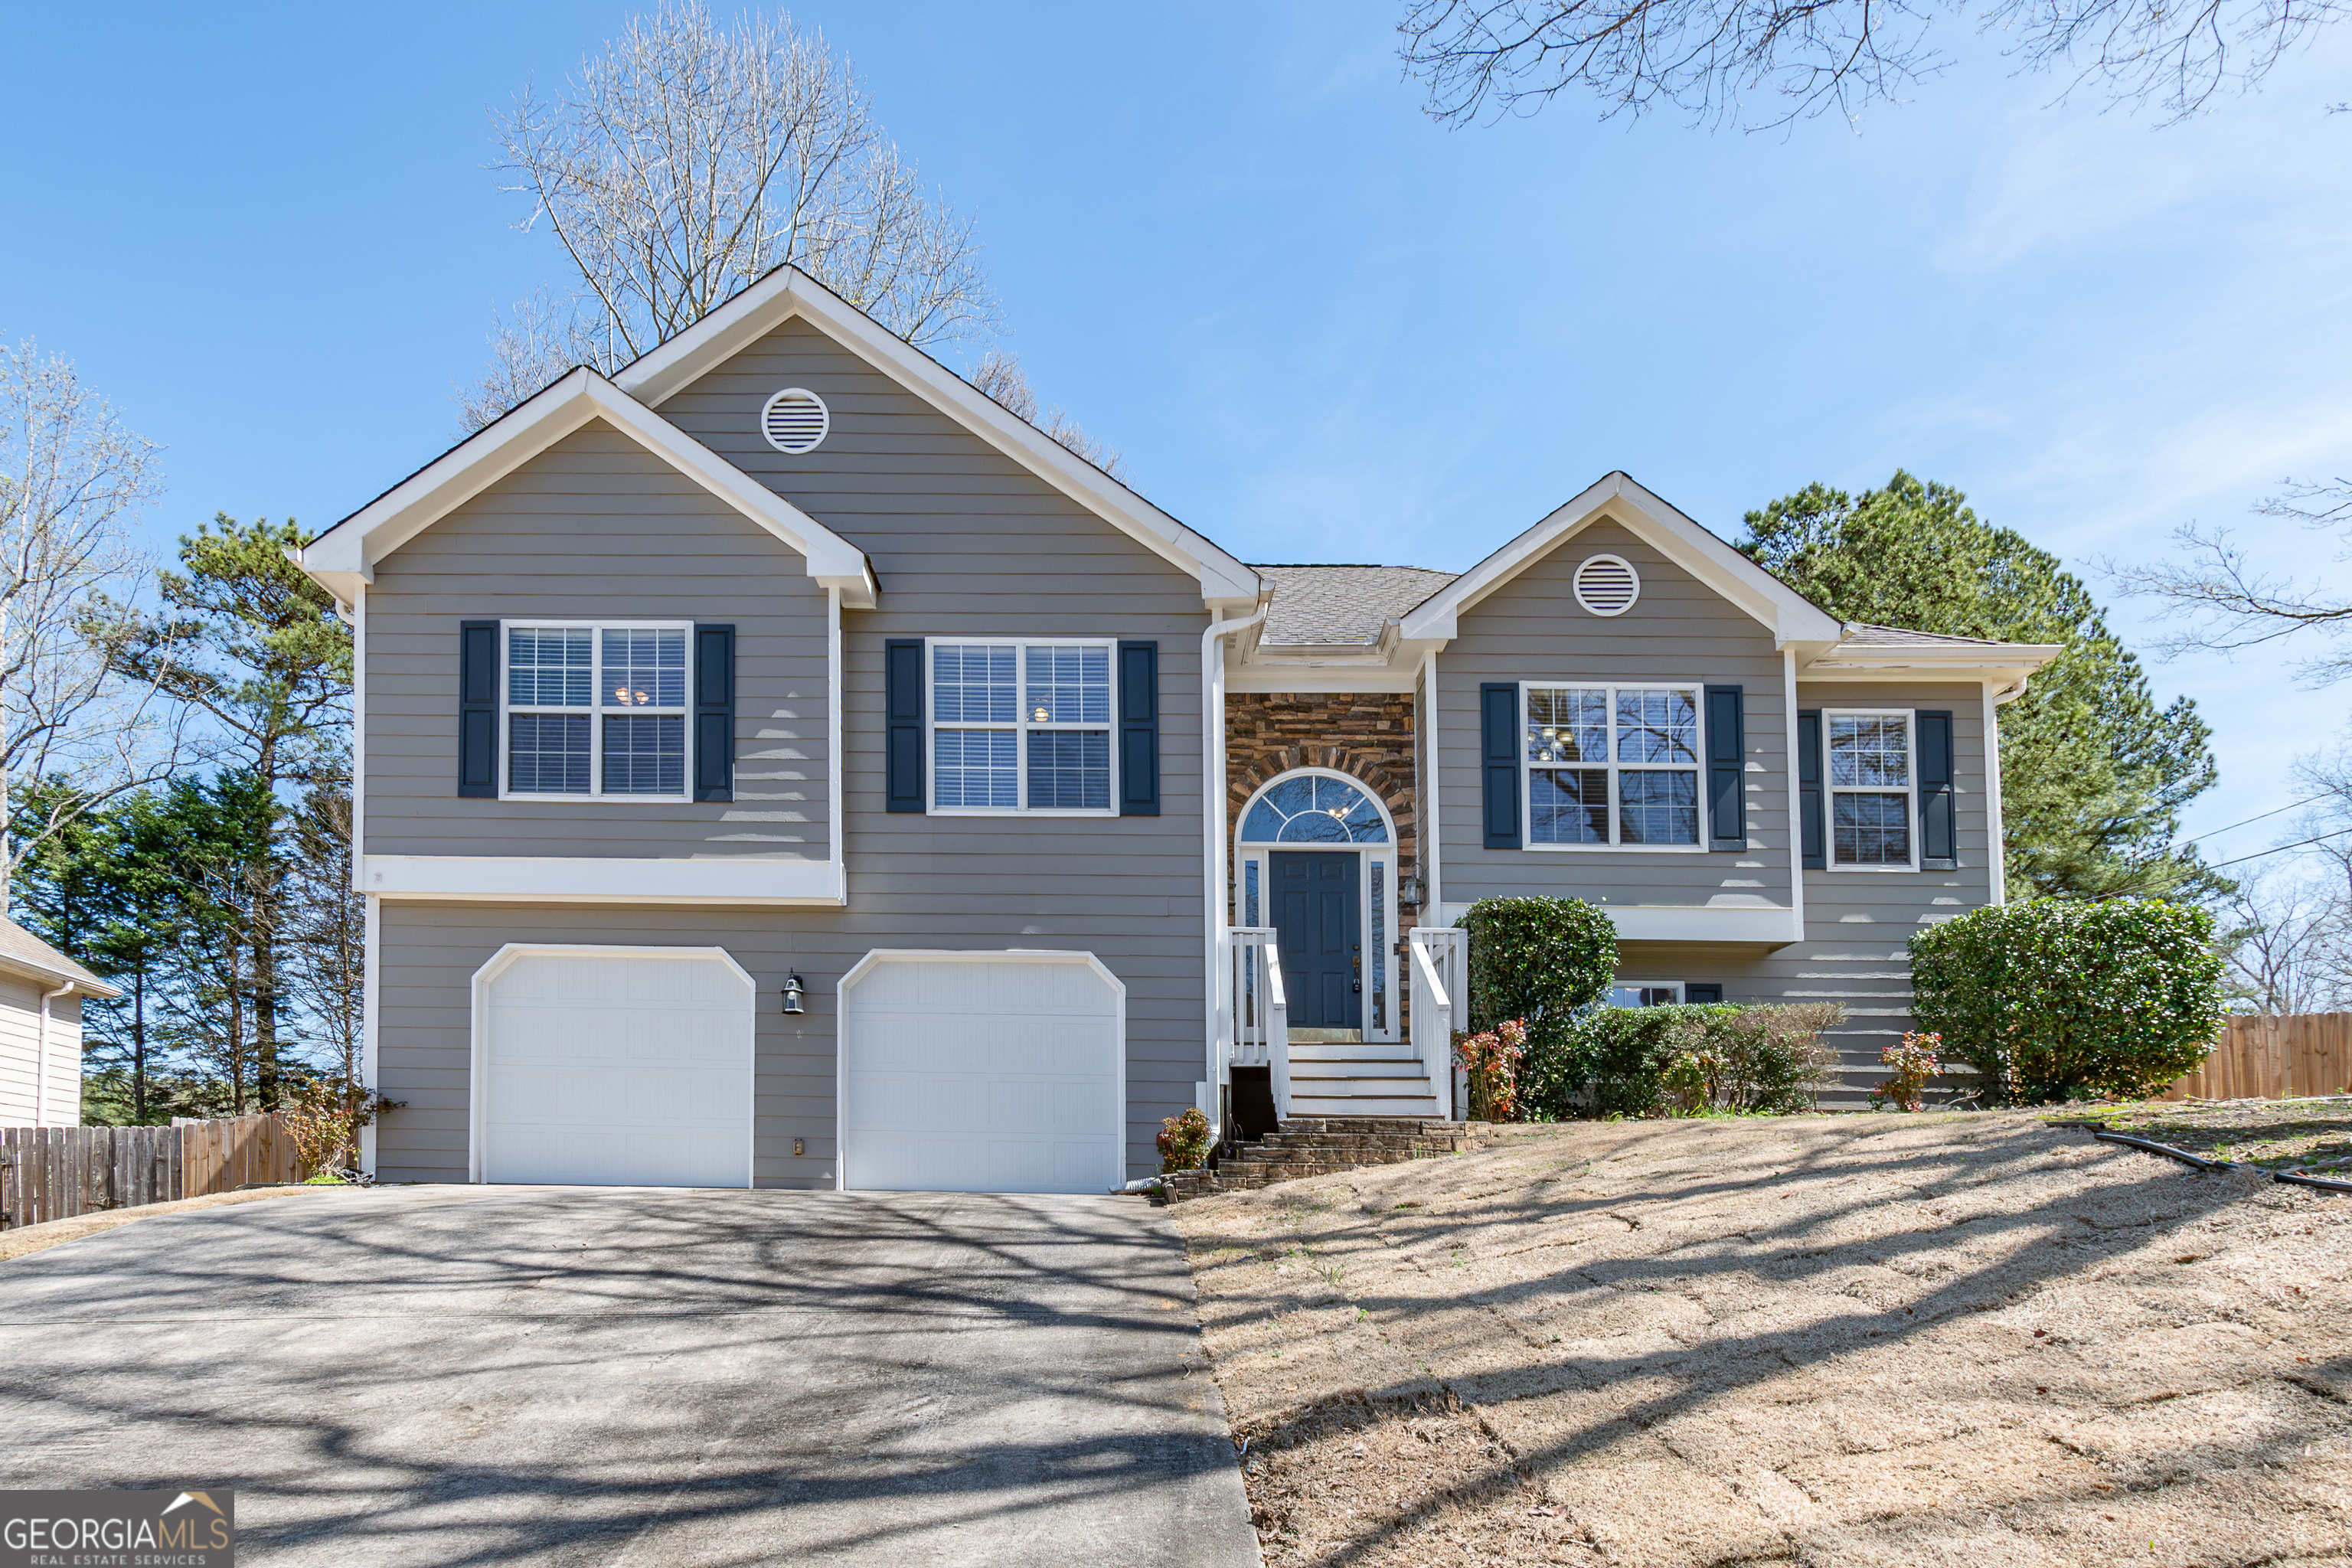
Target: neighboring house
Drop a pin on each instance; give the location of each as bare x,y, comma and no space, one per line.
778,764
41,993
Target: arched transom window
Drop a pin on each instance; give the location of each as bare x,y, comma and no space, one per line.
1313,808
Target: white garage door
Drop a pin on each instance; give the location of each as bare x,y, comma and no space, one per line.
616,1068
969,1074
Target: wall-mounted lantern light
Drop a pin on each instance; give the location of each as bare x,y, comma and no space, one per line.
793,986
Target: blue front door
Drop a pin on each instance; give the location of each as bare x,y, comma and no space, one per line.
1317,921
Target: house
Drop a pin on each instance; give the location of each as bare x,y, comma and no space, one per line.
778,765
41,994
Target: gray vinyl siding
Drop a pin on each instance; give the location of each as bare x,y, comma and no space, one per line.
964,542
598,528
1532,628
1857,923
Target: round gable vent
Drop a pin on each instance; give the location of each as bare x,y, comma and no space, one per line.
1607,586
795,420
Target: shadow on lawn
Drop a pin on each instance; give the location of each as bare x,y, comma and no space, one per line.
2032,1245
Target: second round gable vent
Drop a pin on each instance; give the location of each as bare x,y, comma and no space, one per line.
795,420
1607,586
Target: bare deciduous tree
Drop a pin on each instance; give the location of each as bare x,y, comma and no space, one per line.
2288,950
73,477
1000,375
689,158
1701,56
2226,604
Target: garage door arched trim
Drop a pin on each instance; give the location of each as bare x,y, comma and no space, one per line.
882,955
508,956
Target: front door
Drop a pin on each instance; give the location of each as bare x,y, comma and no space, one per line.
1317,921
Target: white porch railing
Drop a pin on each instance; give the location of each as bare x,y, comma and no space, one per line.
1261,1011
1440,1003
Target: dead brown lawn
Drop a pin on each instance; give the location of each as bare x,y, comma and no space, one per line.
1859,1340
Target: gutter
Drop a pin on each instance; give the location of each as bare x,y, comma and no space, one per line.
41,1059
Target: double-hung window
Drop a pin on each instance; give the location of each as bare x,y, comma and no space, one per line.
1021,726
1611,765
1874,791
597,708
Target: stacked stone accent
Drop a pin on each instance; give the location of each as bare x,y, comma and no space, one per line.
1367,735
1319,1146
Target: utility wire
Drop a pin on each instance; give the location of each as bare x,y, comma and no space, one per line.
2281,850
2273,812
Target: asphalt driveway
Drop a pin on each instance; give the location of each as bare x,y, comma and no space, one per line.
447,1376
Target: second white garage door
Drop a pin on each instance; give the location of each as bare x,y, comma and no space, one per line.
627,1067
982,1073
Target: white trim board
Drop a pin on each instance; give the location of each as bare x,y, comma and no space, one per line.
1788,615
786,292
593,879
344,558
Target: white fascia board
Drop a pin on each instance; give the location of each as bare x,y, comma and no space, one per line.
1783,611
50,978
1895,661
786,292
587,880
347,553
1310,677
1690,922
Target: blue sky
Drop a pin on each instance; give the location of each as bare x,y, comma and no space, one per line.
1318,326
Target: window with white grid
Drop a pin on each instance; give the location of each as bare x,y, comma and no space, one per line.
1873,789
1021,727
597,708
1611,765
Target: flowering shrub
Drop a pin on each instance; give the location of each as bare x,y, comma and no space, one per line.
1539,962
1909,1066
323,1117
1184,1141
1705,1056
2055,1000
1491,1059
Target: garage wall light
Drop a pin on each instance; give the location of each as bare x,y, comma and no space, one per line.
793,986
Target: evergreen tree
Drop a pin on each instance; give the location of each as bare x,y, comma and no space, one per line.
2094,773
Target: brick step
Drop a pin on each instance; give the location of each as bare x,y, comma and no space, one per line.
1309,1146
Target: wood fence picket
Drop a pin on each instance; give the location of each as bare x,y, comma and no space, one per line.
58,1173
2263,1056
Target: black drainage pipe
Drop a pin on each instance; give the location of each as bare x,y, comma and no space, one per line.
2200,1163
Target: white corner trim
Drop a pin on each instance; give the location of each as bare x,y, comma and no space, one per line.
785,292
345,556
1996,848
1792,816
516,878
1662,922
1788,615
371,1014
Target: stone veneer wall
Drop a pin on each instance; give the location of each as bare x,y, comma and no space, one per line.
1368,735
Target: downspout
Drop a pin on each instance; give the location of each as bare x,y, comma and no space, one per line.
41,1059
1212,823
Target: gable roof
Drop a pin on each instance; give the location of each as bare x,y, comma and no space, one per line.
23,952
1331,607
345,555
787,291
1788,616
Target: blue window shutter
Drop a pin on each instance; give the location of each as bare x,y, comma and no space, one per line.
1939,843
477,709
1726,760
714,712
1696,993
1812,841
1498,728
902,704
1138,729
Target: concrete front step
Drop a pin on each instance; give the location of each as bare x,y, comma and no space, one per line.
1354,1051
1364,1105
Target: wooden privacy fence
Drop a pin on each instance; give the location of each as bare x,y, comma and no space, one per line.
2265,1058
57,1173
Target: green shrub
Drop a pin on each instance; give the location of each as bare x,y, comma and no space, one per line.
1650,1061
1183,1142
2054,1000
1543,961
